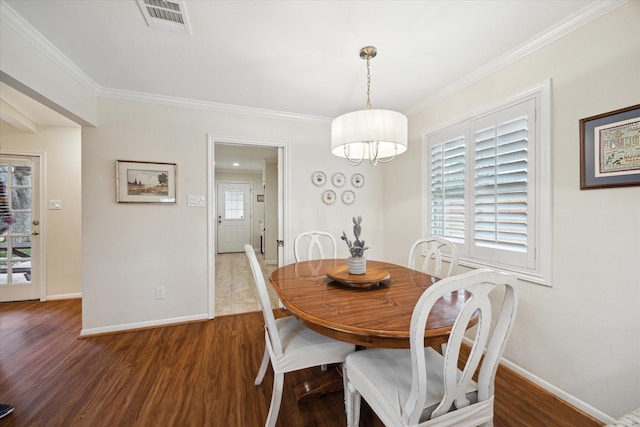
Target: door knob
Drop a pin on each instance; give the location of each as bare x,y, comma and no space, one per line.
35,232
35,222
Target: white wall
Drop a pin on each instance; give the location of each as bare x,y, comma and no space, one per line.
32,65
314,214
61,147
130,249
582,335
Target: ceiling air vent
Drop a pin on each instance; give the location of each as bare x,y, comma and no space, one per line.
165,15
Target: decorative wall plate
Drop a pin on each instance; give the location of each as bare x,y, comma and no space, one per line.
329,197
338,179
357,180
319,178
348,197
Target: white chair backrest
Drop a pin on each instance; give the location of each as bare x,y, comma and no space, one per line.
315,243
265,302
479,283
432,250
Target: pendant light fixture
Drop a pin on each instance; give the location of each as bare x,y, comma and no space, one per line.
376,135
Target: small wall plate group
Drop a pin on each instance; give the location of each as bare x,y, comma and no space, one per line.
338,180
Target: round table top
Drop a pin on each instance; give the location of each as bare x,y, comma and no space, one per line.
377,316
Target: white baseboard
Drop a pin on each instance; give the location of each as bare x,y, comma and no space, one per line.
142,325
583,406
64,296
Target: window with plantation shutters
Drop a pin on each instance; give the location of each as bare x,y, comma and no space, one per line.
448,188
501,221
487,187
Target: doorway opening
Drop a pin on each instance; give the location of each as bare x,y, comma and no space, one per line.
234,166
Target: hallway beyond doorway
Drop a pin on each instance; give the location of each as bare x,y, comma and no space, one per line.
235,288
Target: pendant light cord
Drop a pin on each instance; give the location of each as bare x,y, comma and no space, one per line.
368,84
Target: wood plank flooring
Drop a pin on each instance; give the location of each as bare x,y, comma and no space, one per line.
196,374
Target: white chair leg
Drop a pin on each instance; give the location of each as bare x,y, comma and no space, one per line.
345,382
351,400
263,368
276,399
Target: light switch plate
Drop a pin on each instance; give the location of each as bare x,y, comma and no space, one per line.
195,201
55,204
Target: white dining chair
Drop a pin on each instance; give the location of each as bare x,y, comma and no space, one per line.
419,386
314,245
289,345
427,254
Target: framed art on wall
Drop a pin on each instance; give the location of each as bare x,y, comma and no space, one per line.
610,149
145,182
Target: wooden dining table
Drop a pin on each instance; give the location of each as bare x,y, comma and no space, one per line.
370,310
369,315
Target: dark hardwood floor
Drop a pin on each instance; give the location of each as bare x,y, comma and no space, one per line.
196,374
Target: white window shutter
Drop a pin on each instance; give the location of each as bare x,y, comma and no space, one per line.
501,214
448,189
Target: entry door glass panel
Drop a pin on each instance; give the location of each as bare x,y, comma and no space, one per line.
16,239
234,204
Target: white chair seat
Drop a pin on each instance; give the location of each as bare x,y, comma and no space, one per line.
383,378
304,348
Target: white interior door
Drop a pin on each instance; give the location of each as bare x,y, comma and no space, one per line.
19,240
233,216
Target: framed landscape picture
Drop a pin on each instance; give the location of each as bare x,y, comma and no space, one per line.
145,182
610,149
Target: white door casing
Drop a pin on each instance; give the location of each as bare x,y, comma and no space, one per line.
283,209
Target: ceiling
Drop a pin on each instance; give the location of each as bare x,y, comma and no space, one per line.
243,158
294,57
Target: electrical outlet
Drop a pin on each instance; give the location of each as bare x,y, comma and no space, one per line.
161,292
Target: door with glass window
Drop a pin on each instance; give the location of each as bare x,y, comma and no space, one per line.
233,215
19,228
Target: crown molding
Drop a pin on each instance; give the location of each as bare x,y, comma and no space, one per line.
572,23
10,17
35,38
29,33
209,106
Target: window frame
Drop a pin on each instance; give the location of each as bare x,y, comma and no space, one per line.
539,188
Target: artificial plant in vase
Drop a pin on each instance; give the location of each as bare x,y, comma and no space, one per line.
357,262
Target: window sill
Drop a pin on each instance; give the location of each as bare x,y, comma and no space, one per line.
526,276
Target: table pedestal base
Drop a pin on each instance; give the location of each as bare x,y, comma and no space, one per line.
329,382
